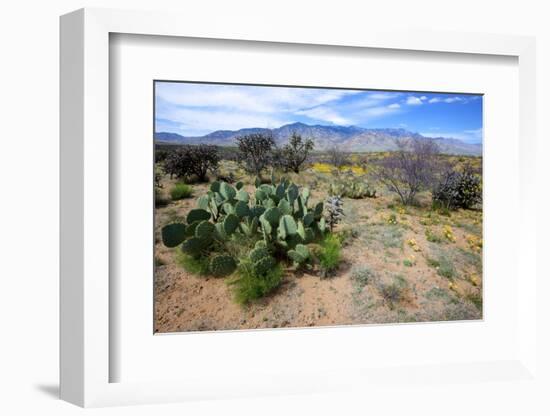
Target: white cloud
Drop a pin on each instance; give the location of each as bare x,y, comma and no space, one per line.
412,100
423,98
244,98
394,105
434,100
325,114
452,99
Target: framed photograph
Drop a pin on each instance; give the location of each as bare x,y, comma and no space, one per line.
280,213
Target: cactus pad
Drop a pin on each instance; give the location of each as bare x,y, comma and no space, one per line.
193,246
227,191
272,215
264,265
230,224
242,195
241,209
284,207
287,226
257,210
215,187
173,234
222,265
197,215
205,230
258,253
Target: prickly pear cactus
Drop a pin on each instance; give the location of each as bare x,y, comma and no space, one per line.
197,215
222,265
299,255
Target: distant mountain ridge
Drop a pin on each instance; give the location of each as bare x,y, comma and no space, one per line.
345,138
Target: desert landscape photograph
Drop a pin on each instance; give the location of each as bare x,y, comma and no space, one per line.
293,207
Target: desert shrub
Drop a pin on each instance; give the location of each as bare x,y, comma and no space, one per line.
249,285
410,169
390,236
160,155
432,237
192,160
392,292
255,152
335,211
337,158
158,176
475,296
457,190
181,191
362,276
329,255
352,189
296,152
443,265
160,199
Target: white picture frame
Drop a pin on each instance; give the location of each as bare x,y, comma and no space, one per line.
85,216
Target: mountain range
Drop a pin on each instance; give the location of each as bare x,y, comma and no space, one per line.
345,138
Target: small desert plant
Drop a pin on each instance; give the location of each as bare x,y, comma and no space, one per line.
444,266
335,211
393,292
362,275
432,237
194,265
160,199
181,191
329,255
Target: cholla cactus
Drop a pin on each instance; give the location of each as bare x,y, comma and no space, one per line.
335,211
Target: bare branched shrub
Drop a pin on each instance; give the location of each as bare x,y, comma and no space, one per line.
255,151
410,169
337,158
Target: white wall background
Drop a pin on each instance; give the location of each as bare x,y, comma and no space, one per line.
29,115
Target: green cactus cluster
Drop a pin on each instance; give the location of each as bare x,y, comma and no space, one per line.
277,214
352,189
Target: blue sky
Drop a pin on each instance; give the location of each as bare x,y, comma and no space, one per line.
192,109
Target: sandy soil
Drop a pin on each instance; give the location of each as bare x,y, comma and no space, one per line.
438,280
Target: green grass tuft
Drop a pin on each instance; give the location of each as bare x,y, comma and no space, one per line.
362,276
248,287
330,254
181,191
194,265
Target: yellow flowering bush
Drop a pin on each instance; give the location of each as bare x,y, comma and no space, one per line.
413,244
392,219
474,242
322,167
410,261
448,233
474,279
